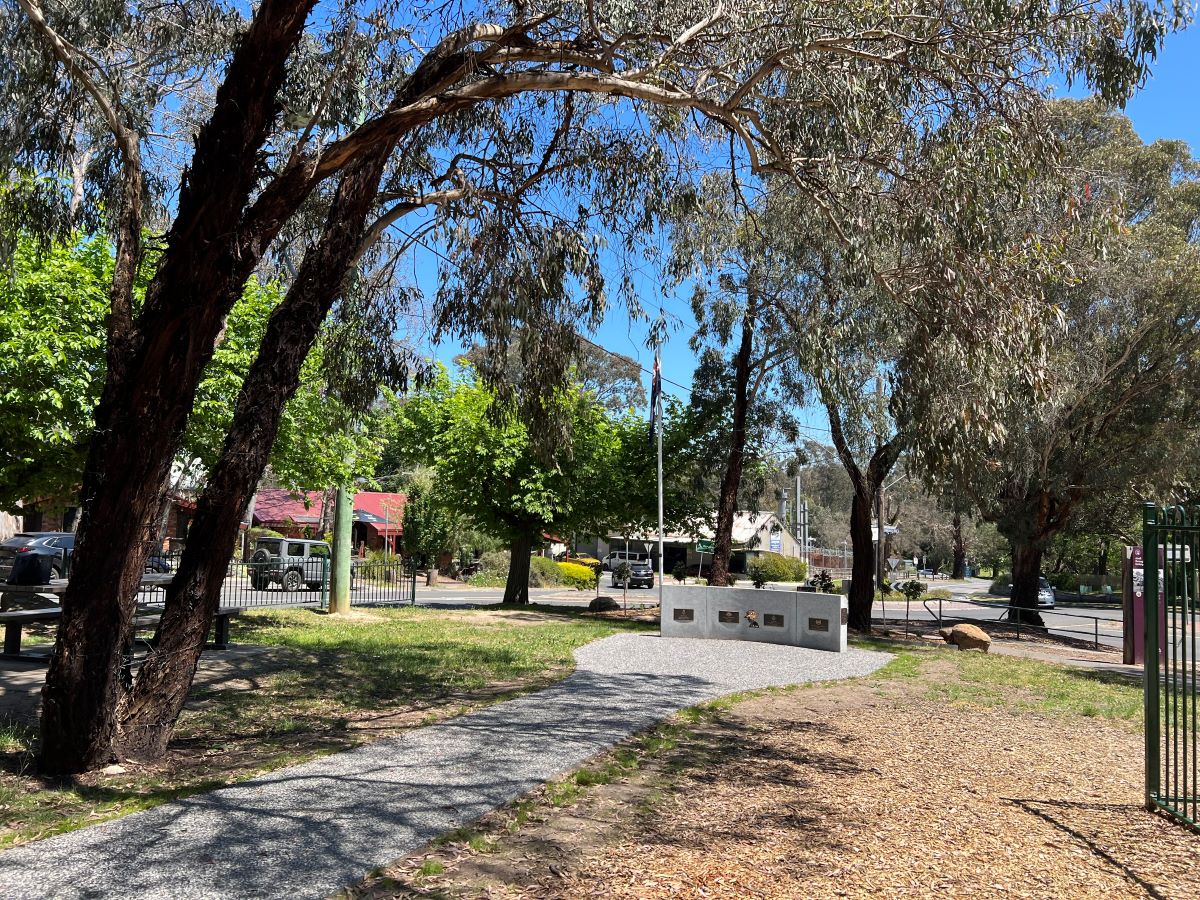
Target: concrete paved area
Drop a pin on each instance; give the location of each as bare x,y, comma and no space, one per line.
309,830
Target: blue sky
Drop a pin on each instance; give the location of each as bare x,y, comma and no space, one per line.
1168,107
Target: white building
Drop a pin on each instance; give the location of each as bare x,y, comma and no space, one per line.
753,535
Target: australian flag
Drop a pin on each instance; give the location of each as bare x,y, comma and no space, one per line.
655,397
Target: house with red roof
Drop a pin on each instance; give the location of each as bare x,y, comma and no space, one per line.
376,520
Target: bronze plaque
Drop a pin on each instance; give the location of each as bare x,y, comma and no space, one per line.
773,620
818,624
728,616
845,616
685,615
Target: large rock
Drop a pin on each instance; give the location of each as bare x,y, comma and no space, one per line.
966,637
604,604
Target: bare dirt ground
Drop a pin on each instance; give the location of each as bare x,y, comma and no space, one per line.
895,786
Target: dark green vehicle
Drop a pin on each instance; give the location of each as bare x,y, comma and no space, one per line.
292,563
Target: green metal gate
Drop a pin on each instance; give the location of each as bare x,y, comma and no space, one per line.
1171,536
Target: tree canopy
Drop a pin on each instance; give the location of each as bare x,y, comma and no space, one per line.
52,311
1117,389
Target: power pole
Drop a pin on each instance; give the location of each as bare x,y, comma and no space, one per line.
339,576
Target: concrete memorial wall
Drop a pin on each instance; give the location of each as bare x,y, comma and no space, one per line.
798,618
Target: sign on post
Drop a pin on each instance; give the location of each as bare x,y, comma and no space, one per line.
893,561
704,546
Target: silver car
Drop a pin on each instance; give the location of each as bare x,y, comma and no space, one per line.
1045,594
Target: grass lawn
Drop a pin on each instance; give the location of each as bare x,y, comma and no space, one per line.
944,774
322,684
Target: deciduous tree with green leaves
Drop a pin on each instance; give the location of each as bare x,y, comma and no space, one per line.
488,470
52,309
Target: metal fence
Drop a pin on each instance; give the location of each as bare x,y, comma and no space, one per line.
1171,538
305,582
389,582
1088,627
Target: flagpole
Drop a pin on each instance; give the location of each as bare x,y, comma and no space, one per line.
662,566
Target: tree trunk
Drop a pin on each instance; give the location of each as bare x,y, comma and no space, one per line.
960,549
731,481
148,717
148,394
516,589
431,577
1027,569
862,573
866,487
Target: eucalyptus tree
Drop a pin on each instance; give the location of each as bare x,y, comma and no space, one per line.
741,341
241,134
1107,422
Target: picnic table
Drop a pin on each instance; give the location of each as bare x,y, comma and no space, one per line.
146,615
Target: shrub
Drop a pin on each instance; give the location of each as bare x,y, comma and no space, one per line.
494,563
543,572
940,594
679,573
773,567
1001,584
577,576
758,572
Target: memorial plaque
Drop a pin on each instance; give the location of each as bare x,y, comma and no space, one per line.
773,620
728,616
818,624
685,615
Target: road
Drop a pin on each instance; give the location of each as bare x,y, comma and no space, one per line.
1086,622
1083,621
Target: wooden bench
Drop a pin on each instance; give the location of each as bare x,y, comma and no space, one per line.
15,621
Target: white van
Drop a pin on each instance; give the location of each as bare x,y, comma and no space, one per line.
616,557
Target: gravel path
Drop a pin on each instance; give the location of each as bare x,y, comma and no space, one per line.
311,829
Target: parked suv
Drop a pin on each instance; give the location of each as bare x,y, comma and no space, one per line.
290,562
36,557
641,572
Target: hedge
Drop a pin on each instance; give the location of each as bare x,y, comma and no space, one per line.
543,572
774,567
577,575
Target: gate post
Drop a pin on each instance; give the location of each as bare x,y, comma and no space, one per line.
325,582
1150,668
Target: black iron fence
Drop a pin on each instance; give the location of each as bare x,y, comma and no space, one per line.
1171,585
375,582
287,581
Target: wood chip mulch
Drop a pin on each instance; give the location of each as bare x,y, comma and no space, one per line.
860,790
